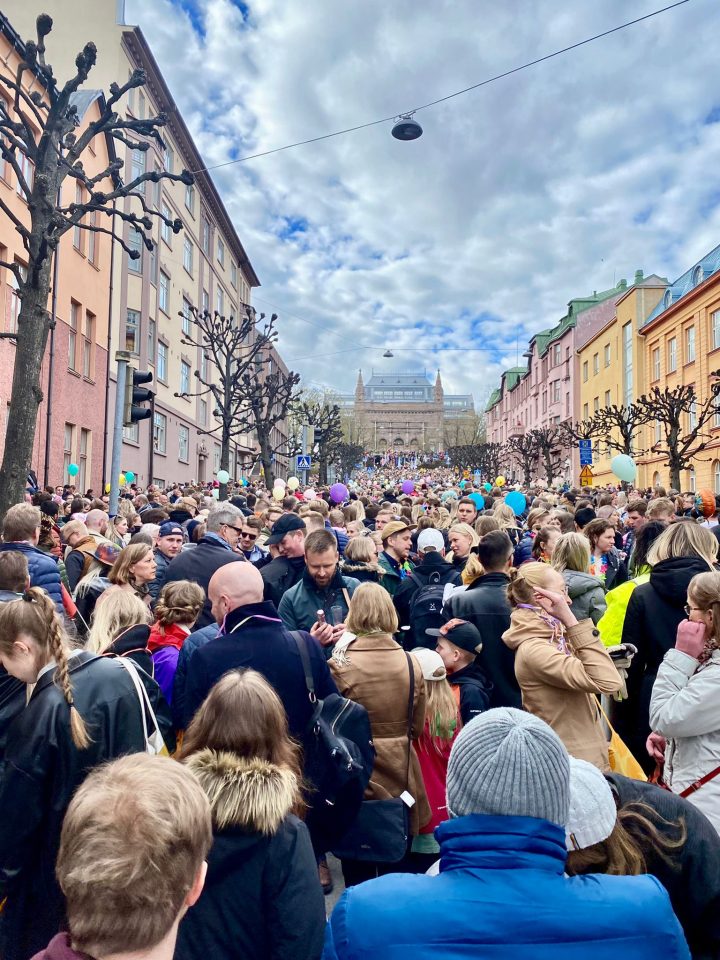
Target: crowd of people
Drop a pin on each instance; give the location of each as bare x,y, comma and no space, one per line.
497,709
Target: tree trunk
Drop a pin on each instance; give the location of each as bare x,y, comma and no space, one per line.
224,465
674,475
26,396
266,458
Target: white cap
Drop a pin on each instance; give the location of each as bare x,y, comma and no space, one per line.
430,538
592,806
431,663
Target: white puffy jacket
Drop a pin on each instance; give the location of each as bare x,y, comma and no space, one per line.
685,709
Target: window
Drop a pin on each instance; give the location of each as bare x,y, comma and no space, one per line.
716,419
186,317
596,404
92,238
585,371
27,170
184,377
73,335
162,360
141,105
716,476
190,197
132,331
151,331
183,443
698,274
715,322
608,401
556,391
135,242
233,275
220,301
206,236
586,411
137,168
204,366
15,299
216,458
188,255
166,229
221,252
77,229
567,404
544,401
656,363
83,451
596,363
169,158
87,347
627,356
159,432
672,354
692,415
690,345
607,354
158,188
202,415
692,479
556,354
205,301
164,293
658,431
132,433
67,447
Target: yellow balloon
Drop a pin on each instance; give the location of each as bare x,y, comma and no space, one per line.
499,481
107,488
293,483
123,480
278,493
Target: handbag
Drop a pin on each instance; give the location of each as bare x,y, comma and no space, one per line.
620,756
381,830
154,743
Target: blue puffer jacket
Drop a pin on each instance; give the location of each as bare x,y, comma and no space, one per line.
43,569
502,892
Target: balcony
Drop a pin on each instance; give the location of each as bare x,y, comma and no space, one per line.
516,429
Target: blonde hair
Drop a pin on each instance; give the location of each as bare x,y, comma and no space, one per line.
120,573
35,615
20,523
465,530
505,516
133,840
116,611
684,539
359,548
440,518
180,601
704,589
525,579
441,711
661,505
371,612
572,552
473,569
486,524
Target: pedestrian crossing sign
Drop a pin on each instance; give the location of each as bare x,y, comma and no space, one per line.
303,462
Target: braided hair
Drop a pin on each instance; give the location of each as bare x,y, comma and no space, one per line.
35,616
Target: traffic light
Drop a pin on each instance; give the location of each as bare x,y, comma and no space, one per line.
135,395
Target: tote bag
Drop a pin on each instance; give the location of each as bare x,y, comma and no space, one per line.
154,743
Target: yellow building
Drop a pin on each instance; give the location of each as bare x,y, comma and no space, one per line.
681,340
611,362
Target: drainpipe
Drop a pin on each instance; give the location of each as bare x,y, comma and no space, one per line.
151,454
107,366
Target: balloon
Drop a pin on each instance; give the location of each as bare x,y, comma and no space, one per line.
487,486
278,493
705,502
462,484
73,469
478,500
623,467
107,488
223,476
293,483
216,493
500,481
122,480
516,501
338,492
279,482
310,494
129,476
245,482
408,486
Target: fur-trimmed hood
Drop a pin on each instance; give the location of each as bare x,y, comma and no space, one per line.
361,570
253,795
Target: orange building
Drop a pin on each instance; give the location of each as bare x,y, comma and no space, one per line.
682,346
71,417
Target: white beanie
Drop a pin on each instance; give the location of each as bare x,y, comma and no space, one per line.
593,813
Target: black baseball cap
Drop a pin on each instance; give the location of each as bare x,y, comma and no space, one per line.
464,635
283,525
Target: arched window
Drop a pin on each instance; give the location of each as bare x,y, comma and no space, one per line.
691,479
667,299
398,442
698,275
716,476
657,482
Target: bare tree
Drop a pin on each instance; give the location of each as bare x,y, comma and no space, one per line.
347,456
683,423
230,348
42,129
328,434
620,426
523,449
268,398
549,443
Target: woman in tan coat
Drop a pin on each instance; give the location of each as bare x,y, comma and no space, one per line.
560,664
370,668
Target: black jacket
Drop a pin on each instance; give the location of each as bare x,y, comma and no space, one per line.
262,899
199,565
281,574
653,613
359,570
41,771
693,879
485,604
617,571
430,563
475,690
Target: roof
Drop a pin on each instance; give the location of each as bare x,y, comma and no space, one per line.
398,379
697,274
493,399
513,376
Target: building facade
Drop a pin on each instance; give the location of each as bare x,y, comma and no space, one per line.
406,411
71,422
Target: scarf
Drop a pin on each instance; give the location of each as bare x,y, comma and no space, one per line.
338,655
558,631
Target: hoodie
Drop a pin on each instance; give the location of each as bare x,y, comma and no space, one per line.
60,948
262,896
587,595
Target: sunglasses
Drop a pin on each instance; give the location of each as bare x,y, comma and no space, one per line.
248,536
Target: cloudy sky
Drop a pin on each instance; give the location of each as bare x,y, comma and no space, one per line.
455,248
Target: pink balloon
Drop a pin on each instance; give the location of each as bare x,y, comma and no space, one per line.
310,494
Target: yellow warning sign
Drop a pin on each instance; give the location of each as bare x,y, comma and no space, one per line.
586,477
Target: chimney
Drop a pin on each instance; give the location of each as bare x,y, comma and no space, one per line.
638,276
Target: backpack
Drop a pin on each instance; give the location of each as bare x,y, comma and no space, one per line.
426,607
339,758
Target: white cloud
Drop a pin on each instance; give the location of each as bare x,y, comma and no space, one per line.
544,186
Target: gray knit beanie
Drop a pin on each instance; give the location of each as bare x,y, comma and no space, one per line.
510,763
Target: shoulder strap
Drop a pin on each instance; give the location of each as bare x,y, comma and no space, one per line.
307,668
346,595
411,703
416,580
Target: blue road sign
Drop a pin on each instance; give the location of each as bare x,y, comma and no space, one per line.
585,444
303,463
586,459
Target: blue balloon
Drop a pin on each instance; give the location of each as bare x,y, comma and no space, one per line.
516,501
478,500
462,484
624,467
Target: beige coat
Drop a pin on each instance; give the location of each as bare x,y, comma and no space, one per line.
562,690
377,676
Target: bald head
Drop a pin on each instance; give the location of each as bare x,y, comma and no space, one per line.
232,586
96,521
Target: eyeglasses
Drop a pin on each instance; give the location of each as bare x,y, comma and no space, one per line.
688,609
248,536
237,530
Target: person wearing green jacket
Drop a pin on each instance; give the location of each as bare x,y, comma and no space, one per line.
397,543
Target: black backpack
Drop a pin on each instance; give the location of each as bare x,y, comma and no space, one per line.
426,608
339,758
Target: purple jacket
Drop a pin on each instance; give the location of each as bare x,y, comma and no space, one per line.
165,661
